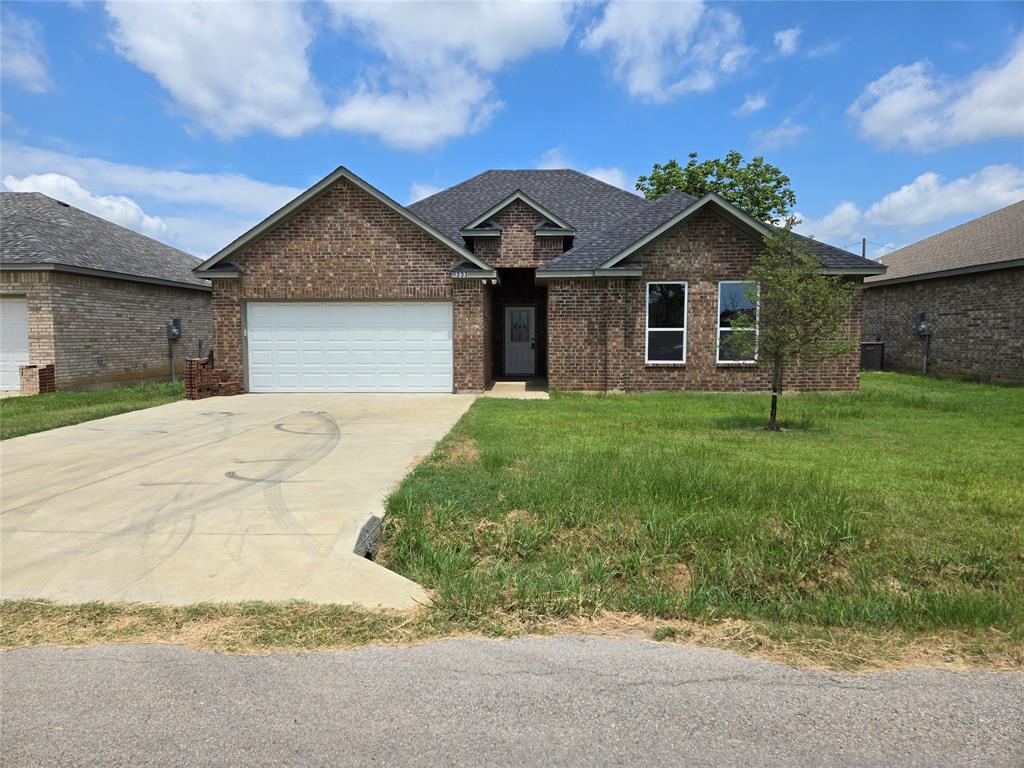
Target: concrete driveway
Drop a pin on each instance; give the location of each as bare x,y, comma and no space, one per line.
257,497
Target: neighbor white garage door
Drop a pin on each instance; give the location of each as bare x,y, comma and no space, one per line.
349,346
13,342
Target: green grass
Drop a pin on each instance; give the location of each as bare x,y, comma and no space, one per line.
37,413
900,507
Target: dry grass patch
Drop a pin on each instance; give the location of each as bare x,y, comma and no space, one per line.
287,627
461,451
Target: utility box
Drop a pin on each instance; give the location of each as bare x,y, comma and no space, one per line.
872,355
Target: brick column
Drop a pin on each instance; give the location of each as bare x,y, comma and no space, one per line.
471,332
227,324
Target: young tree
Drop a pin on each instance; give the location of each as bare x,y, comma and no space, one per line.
800,316
758,188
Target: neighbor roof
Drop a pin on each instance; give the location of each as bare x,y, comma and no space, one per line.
38,232
607,220
994,241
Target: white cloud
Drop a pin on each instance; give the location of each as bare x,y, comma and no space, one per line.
614,176
116,208
23,59
435,82
202,211
232,67
787,40
754,102
552,159
238,67
418,191
926,200
785,133
555,158
840,223
825,49
662,50
231,191
910,107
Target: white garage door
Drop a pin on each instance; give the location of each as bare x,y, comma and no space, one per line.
13,341
350,347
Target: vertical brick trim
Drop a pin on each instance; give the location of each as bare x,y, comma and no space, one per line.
471,299
615,335
228,343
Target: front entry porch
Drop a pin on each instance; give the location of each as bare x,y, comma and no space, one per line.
519,327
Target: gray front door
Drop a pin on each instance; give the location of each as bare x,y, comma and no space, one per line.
520,341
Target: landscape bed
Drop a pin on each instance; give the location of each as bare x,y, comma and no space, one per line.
883,527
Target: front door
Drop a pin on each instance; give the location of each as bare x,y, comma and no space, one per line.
520,341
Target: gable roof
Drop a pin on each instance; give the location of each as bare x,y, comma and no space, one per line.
993,241
524,198
38,232
608,248
341,172
586,204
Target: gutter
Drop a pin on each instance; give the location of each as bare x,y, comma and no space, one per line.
48,267
559,274
990,267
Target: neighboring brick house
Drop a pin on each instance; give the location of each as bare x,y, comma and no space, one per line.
968,282
508,274
90,298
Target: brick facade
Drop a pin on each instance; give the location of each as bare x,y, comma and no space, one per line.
597,327
345,245
518,246
977,321
103,332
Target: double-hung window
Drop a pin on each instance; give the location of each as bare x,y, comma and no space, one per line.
737,314
666,322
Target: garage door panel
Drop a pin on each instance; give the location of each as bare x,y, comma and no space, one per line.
350,346
13,341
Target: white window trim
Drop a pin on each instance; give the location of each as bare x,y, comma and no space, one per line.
647,321
718,323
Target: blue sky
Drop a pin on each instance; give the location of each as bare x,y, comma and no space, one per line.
190,122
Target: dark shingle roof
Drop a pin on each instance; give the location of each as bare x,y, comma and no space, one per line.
606,218
992,239
587,204
591,252
36,229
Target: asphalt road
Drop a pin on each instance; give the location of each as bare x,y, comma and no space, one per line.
562,701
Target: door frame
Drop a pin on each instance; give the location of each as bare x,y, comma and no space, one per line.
533,339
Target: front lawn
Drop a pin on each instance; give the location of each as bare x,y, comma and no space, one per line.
899,508
37,413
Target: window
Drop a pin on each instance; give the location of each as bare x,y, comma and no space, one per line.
666,322
736,314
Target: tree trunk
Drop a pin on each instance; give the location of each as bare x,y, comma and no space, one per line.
776,391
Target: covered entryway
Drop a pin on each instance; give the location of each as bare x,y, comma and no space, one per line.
519,326
349,346
13,342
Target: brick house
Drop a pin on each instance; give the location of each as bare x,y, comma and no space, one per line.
85,303
546,273
969,284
